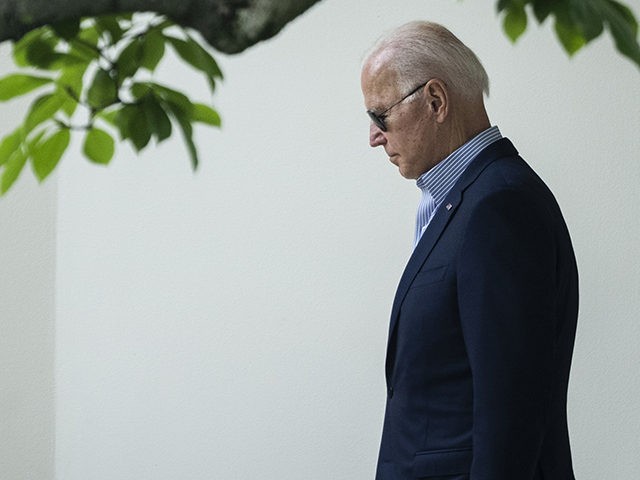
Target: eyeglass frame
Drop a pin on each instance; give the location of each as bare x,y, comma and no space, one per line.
378,118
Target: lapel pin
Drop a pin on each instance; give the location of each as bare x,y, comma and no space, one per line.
448,207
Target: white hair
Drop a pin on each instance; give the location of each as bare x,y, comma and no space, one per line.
418,51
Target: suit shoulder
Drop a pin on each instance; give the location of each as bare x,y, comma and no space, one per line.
510,174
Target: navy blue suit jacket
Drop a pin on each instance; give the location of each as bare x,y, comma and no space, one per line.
481,335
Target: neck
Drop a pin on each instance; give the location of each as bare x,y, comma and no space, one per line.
466,125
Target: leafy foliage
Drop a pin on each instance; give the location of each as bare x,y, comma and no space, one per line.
577,22
95,76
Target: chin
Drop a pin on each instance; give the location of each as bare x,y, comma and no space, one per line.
408,174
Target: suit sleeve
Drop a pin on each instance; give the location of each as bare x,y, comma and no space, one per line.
506,277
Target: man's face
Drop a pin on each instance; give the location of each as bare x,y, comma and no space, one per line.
410,137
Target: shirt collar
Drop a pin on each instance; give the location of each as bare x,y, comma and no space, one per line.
439,180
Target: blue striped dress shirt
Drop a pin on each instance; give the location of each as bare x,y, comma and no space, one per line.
437,182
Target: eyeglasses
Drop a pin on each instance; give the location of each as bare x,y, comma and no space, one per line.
378,118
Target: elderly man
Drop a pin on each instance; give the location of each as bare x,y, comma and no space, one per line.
483,322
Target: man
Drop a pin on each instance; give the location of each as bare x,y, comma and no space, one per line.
483,322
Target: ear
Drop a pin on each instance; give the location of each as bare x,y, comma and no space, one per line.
438,98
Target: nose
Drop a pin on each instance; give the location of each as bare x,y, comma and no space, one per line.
376,136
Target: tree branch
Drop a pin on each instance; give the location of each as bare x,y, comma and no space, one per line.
229,26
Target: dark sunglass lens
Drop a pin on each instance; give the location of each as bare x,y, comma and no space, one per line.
378,120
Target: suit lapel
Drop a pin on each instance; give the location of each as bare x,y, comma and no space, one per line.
442,217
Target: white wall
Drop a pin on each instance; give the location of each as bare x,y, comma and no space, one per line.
27,283
231,324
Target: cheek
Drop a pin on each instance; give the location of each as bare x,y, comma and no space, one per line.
416,148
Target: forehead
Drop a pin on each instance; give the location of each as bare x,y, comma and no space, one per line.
379,82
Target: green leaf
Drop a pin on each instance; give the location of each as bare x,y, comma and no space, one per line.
187,134
208,65
543,8
515,21
98,146
109,116
41,52
587,17
625,15
132,123
205,114
109,24
12,169
152,50
67,29
129,60
122,119
624,29
103,91
38,49
66,61
89,35
157,118
195,55
19,84
570,36
172,98
85,51
69,107
21,46
10,143
139,131
42,109
140,90
70,82
34,140
181,109
46,155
